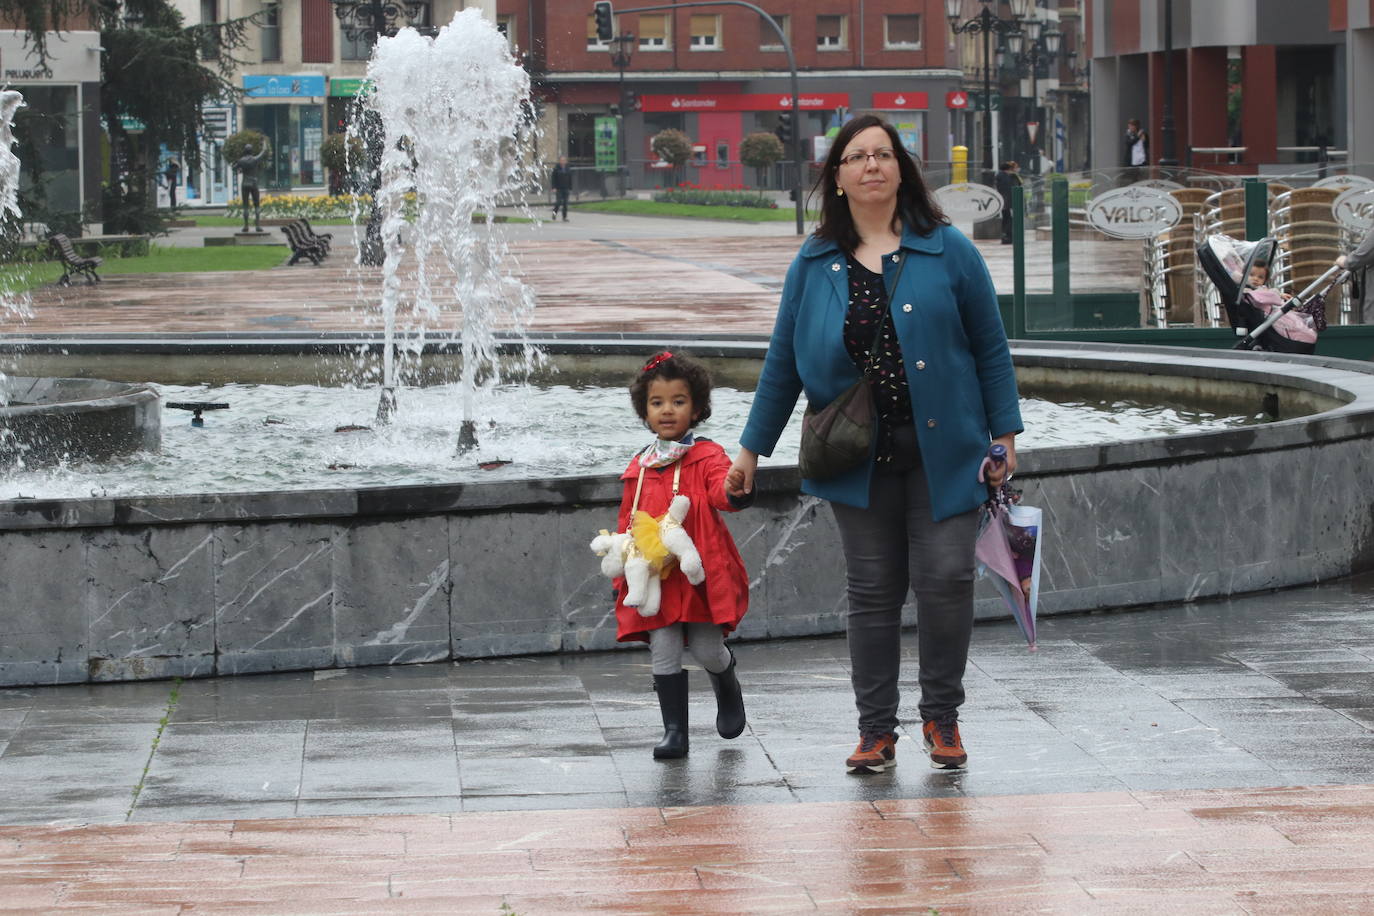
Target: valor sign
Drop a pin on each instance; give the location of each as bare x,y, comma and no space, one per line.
1354,209
965,201
1134,212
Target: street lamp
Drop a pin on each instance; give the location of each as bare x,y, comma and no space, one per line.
1038,48
988,23
621,48
375,19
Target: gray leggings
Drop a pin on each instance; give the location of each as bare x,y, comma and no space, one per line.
890,547
707,647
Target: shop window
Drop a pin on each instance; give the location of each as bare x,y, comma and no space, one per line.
270,35
768,39
830,33
902,33
705,33
296,132
655,33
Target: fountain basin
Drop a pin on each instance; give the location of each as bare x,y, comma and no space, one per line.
132,588
47,420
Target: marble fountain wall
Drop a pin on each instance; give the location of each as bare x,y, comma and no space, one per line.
139,588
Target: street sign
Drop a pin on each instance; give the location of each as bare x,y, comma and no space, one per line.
607,136
975,101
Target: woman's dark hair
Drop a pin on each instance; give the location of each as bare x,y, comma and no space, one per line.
916,207
670,366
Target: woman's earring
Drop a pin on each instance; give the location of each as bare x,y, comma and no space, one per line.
839,191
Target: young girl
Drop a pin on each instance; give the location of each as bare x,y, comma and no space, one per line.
672,394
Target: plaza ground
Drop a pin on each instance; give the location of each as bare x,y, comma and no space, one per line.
1207,758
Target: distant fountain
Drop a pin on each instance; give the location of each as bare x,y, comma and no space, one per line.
458,129
10,103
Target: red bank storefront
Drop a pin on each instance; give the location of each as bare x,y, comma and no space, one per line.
717,122
722,120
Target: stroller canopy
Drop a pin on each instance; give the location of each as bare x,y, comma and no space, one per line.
1228,261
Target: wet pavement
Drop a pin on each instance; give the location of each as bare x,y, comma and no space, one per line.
1136,760
1209,758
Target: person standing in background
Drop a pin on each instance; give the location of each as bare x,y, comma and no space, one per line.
561,182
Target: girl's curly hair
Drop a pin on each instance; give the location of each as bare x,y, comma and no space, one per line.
671,366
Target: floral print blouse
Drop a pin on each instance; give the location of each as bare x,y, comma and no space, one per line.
887,375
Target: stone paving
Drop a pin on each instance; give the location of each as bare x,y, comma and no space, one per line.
594,274
1211,758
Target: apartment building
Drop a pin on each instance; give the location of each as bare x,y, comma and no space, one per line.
1258,86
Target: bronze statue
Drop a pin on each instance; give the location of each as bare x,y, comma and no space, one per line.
247,167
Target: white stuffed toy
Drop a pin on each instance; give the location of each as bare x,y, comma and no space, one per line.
646,554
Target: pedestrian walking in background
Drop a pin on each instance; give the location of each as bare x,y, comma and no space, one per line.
886,290
1137,155
172,175
671,395
1008,177
561,182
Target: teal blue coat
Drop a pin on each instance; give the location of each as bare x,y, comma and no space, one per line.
963,386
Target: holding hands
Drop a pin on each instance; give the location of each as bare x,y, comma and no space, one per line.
739,481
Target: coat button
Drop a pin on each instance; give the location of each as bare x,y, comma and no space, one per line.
920,364
907,307
930,423
894,258
835,266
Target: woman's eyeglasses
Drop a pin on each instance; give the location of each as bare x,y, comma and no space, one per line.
886,154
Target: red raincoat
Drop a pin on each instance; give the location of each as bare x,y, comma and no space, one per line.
724,596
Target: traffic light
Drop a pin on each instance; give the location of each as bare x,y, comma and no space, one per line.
605,29
785,127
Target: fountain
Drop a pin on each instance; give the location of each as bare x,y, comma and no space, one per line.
455,115
47,421
115,587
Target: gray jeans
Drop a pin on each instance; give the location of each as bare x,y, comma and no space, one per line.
889,547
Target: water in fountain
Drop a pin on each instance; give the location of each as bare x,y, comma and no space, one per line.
10,103
457,135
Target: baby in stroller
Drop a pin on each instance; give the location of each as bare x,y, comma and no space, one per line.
1264,318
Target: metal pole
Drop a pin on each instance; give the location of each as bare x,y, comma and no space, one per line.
624,169
988,168
1035,105
1166,126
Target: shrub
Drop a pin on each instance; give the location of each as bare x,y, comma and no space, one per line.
237,145
760,150
342,153
687,194
672,146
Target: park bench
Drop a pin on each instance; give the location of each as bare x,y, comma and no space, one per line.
73,262
302,246
310,233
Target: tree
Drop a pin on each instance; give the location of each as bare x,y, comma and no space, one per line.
760,150
344,156
157,75
673,147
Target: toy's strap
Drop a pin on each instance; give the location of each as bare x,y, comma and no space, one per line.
639,485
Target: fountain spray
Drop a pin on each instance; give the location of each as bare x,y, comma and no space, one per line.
458,133
10,103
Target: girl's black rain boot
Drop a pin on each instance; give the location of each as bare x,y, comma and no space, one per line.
672,703
729,701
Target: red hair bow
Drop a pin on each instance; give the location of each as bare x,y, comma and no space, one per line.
658,360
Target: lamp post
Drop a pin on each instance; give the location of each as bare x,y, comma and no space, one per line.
621,49
1166,124
1038,49
987,23
377,19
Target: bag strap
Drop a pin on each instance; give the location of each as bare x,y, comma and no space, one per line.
639,485
882,320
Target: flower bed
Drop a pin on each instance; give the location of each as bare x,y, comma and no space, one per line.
690,194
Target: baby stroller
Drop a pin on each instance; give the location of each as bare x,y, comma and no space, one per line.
1262,318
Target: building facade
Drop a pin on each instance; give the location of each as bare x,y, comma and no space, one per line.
59,129
1258,86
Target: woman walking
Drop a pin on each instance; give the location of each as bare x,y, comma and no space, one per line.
886,288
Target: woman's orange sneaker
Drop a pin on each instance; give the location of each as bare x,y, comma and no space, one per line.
946,750
876,752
